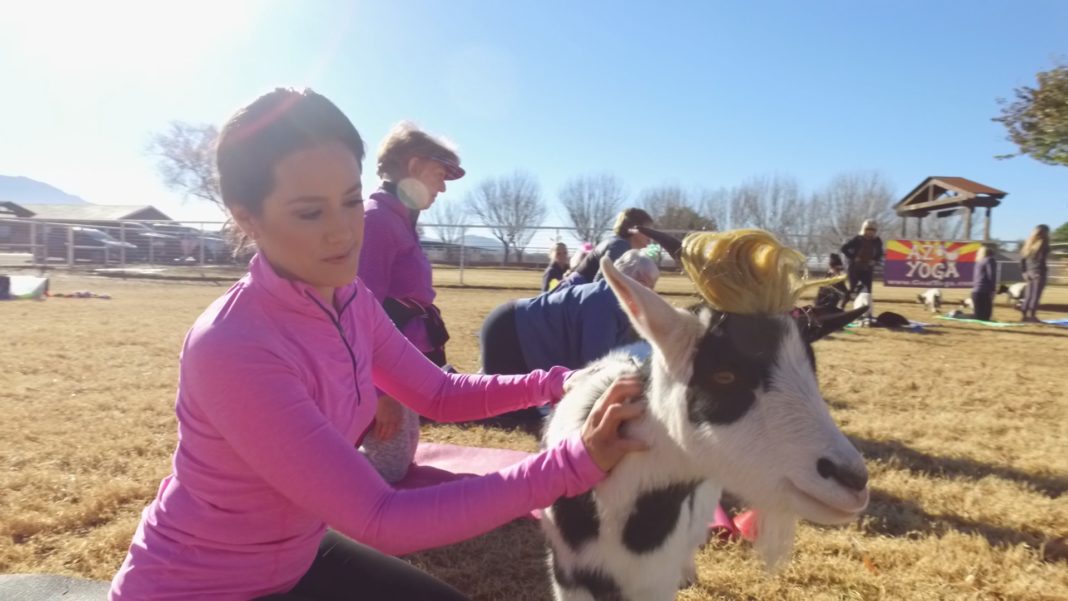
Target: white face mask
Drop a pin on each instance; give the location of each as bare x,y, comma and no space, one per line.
413,194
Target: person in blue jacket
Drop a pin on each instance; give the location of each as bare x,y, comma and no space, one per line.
569,327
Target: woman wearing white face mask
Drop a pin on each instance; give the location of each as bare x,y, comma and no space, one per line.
414,167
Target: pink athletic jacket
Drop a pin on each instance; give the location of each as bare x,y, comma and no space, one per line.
392,262
275,387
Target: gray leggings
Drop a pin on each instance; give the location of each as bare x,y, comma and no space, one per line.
1035,284
394,456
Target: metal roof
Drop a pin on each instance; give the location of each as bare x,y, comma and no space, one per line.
963,189
93,212
969,185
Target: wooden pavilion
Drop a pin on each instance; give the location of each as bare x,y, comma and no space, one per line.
945,196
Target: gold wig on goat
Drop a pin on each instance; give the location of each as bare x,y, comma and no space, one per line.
746,271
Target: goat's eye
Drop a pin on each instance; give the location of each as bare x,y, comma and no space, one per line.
723,377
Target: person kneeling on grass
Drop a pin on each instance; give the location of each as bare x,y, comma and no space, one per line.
268,497
568,327
571,326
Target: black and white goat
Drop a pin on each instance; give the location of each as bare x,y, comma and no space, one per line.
732,402
1014,293
931,298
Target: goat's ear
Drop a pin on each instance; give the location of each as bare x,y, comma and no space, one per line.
821,326
653,318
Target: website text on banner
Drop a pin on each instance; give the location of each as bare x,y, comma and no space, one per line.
930,263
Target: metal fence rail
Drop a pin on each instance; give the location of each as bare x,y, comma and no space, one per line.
132,243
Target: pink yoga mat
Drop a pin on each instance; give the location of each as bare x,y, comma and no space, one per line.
437,463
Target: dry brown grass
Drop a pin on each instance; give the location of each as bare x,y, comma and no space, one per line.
965,430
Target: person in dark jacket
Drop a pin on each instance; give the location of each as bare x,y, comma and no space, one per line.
984,283
558,264
1034,254
863,252
568,327
626,237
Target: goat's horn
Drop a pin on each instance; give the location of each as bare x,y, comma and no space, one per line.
826,324
670,243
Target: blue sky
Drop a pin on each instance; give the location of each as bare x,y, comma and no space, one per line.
701,94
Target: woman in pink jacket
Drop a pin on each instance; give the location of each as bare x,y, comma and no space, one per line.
277,384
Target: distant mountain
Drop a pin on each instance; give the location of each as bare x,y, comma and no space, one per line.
23,190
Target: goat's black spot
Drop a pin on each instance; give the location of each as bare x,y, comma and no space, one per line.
576,518
654,516
744,345
601,586
559,575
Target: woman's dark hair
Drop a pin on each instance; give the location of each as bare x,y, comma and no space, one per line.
270,128
629,218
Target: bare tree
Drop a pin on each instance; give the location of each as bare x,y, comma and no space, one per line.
673,209
769,202
592,202
842,206
950,227
510,206
450,223
185,157
716,206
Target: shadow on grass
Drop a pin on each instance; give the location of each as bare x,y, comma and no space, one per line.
836,404
891,515
506,563
899,455
527,421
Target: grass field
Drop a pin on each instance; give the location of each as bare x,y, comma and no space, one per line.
965,429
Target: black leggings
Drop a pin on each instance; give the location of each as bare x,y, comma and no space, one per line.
983,303
501,353
344,570
859,276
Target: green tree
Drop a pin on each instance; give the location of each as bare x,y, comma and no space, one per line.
1037,120
1060,234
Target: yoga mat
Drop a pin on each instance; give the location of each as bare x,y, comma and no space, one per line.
1057,322
992,324
436,463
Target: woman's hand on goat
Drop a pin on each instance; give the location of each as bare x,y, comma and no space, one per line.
601,434
388,417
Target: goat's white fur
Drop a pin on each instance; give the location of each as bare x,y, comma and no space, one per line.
767,457
931,298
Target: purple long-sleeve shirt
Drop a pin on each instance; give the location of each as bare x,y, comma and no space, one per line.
275,387
392,263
